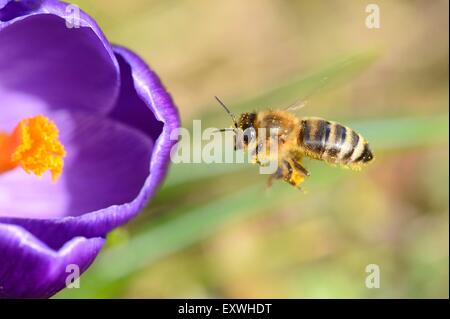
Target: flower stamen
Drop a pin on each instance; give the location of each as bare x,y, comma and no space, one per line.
33,145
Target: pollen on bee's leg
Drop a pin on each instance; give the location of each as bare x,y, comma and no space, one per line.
34,146
297,178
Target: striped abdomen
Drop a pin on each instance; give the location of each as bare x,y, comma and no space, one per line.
333,142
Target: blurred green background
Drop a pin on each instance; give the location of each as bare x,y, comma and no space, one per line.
216,230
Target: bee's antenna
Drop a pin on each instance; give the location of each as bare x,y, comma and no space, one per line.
228,111
225,130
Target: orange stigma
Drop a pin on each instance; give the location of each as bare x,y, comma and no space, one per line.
33,145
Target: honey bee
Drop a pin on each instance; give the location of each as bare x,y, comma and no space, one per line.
298,138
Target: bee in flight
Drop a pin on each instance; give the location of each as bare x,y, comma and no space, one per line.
297,138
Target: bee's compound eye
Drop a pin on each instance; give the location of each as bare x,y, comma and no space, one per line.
249,135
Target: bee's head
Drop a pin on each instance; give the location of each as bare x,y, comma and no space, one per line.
247,124
244,127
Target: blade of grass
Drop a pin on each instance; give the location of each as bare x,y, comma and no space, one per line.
338,72
194,224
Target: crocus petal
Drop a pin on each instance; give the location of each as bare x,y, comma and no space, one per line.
3,3
54,65
31,269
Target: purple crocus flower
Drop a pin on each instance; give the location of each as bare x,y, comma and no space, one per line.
114,119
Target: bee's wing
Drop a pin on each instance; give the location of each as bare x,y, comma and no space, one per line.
297,105
301,103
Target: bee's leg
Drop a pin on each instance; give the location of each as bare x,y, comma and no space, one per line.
301,168
295,174
270,180
297,158
277,175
